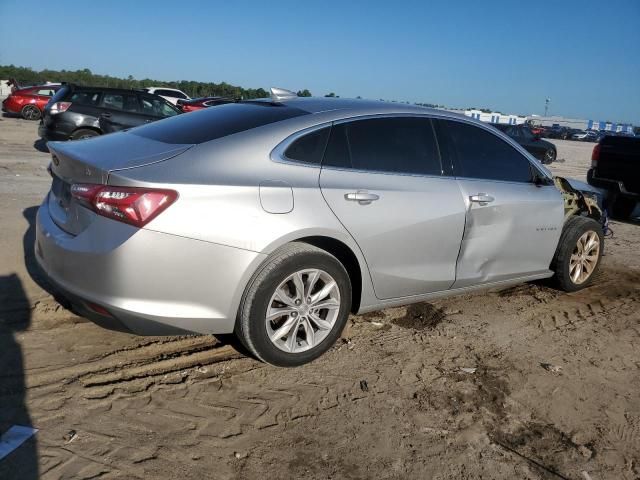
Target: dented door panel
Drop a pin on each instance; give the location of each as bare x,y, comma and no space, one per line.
513,235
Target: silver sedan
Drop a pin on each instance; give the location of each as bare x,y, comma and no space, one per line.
277,218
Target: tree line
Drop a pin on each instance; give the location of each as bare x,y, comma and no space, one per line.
28,76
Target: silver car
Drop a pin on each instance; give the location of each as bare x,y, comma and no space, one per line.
277,218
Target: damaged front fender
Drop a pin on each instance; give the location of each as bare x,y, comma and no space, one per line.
578,202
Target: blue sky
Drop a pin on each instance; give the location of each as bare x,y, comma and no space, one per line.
506,55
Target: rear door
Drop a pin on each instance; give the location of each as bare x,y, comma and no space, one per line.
120,111
513,223
382,177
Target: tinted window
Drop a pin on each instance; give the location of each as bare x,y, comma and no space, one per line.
157,107
309,148
85,98
60,94
119,101
218,122
402,145
47,92
482,154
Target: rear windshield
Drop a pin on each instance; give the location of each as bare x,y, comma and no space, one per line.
60,94
218,122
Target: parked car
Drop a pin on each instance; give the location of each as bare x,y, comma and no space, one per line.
559,132
29,102
588,136
76,112
615,166
541,149
170,94
204,102
275,219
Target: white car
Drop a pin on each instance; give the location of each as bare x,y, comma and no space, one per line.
170,94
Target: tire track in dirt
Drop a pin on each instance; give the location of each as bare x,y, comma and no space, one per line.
142,360
614,294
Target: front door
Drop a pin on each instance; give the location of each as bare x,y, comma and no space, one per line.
383,180
514,214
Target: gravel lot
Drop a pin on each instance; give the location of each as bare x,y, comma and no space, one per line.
388,401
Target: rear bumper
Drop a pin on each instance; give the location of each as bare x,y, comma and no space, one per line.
143,281
47,133
610,185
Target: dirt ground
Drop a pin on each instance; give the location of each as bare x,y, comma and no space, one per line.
523,383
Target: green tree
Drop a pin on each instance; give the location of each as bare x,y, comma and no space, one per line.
304,93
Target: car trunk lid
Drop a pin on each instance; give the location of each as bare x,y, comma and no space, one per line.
91,161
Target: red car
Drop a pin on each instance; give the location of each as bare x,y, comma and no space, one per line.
203,102
29,102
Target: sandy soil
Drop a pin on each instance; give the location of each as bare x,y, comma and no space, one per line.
523,383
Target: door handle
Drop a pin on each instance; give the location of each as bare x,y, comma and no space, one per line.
106,115
481,198
362,197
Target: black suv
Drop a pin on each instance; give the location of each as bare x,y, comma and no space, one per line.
76,112
541,149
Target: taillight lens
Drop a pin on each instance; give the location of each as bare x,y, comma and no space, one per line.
135,206
59,107
595,155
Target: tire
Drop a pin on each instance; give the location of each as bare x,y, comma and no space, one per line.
568,253
623,208
549,156
256,332
30,112
83,133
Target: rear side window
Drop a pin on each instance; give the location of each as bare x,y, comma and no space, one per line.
478,153
47,92
309,148
85,98
398,145
212,123
119,101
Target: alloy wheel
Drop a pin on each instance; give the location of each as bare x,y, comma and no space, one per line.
584,257
31,113
303,310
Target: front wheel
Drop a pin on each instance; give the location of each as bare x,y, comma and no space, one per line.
30,112
295,307
578,253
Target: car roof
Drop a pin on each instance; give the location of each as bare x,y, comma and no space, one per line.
104,89
349,107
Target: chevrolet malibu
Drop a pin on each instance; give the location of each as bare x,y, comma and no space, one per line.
277,218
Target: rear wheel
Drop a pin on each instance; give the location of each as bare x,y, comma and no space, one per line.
30,112
623,208
549,156
578,253
295,307
83,133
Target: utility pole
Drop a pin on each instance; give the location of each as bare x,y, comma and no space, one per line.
546,106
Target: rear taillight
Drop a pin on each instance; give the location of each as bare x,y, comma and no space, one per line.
595,156
135,206
59,107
